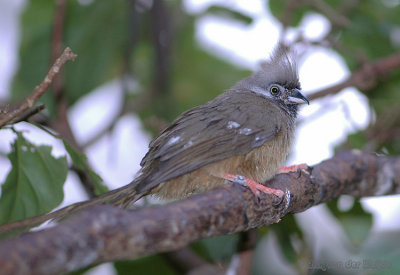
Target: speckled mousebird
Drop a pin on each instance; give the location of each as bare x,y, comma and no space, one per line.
244,134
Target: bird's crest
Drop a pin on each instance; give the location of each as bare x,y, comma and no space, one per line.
281,68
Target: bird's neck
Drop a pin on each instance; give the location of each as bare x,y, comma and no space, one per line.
292,108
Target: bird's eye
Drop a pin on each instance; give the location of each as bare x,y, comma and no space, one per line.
274,90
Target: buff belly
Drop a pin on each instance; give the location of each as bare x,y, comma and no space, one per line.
259,164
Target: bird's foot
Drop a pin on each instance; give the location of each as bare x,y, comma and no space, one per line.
254,186
293,168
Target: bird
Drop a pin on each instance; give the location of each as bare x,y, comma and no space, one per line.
243,135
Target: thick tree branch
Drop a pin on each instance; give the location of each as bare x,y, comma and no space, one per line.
364,78
105,233
39,90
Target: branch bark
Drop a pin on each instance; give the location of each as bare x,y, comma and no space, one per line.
39,90
105,233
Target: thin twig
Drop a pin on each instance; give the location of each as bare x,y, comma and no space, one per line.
30,112
57,42
39,90
61,122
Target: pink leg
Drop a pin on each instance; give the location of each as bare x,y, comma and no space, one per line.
292,168
254,186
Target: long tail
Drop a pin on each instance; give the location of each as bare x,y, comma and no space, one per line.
122,197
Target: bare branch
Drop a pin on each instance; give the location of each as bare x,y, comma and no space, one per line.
57,43
30,112
30,100
105,233
364,78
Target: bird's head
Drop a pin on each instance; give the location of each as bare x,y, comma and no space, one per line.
277,80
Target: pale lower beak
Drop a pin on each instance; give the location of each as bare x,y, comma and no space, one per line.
297,97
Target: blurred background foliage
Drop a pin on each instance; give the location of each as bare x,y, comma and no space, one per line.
152,45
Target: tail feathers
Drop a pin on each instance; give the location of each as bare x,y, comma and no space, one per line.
122,197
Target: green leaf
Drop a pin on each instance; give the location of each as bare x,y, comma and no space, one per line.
34,185
227,12
278,8
221,248
80,162
155,264
381,252
371,21
356,222
97,33
284,230
34,50
375,21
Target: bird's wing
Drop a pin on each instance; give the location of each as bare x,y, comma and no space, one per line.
232,124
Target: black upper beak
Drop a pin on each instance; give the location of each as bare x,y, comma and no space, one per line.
297,97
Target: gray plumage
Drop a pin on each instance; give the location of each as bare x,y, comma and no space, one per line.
218,130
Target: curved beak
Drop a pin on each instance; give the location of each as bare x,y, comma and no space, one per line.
297,97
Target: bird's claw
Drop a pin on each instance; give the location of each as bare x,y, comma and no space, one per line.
254,186
235,178
287,198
